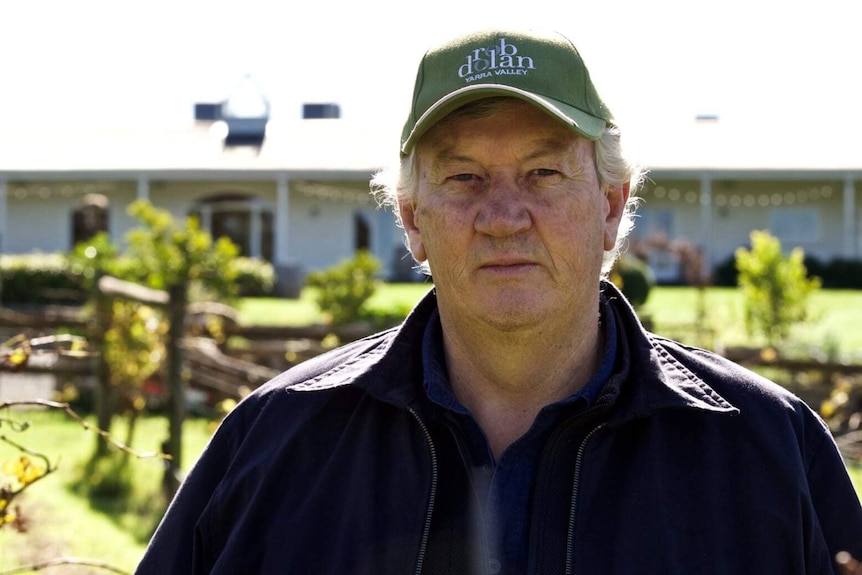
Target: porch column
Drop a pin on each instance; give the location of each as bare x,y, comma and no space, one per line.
143,188
289,275
4,192
706,221
850,248
207,218
254,230
280,253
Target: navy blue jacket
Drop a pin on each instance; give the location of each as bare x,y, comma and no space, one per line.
687,464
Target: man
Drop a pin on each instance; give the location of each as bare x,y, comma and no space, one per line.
520,420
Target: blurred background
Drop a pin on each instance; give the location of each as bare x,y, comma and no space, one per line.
185,211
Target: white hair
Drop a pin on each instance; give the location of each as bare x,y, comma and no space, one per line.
397,185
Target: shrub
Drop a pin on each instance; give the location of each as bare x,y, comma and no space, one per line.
815,267
634,278
38,279
775,287
842,273
254,277
836,273
344,288
725,274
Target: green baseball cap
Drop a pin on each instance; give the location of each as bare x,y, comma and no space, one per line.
542,68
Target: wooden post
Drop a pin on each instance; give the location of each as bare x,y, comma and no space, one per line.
177,296
105,393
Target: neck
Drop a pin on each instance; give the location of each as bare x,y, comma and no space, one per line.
505,379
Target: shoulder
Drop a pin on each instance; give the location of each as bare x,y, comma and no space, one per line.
334,368
753,394
313,383
390,355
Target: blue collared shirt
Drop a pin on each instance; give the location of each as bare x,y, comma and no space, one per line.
505,486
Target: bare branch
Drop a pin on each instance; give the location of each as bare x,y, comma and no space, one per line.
86,425
60,561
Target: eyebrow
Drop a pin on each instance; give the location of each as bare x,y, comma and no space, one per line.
542,148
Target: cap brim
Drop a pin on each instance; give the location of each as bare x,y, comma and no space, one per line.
584,124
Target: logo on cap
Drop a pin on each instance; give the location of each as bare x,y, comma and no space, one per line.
496,60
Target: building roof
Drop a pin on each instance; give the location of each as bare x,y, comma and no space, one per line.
342,149
728,146
318,147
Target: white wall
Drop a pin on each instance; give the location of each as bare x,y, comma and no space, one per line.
740,207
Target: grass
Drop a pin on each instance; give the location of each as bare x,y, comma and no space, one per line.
303,311
835,314
835,317
60,521
855,470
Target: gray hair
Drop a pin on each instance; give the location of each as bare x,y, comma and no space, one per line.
394,186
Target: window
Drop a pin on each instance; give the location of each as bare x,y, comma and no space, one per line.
795,225
246,220
90,218
362,233
657,227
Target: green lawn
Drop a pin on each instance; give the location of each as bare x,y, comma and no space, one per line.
63,523
836,315
303,311
855,470
834,326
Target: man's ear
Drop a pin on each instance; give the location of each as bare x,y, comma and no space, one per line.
617,197
407,211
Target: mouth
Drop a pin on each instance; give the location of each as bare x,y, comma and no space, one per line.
508,266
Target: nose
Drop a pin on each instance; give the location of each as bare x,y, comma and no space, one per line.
503,208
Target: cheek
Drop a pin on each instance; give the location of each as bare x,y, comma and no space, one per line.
576,235
431,226
444,217
446,239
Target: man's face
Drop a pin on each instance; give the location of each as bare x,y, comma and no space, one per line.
510,217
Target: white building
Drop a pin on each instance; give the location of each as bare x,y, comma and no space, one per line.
712,182
299,196
296,194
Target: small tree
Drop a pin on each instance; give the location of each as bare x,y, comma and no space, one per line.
775,287
344,288
173,255
162,254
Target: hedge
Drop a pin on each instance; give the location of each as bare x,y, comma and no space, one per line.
46,279
836,273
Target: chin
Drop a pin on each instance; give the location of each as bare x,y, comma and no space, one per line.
515,315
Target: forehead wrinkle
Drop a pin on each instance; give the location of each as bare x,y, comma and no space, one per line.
542,148
551,146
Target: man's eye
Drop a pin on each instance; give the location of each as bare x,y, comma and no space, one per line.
462,177
545,172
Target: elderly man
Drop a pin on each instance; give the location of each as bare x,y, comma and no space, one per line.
520,420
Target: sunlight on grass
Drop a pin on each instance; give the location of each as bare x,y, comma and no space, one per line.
835,315
304,311
855,470
61,522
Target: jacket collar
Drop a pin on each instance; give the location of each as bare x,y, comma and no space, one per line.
648,377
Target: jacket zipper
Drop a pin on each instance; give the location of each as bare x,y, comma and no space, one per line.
423,545
466,465
570,538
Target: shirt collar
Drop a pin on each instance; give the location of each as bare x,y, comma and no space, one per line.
438,387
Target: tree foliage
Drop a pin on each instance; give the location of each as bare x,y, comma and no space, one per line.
775,287
162,253
169,253
344,288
